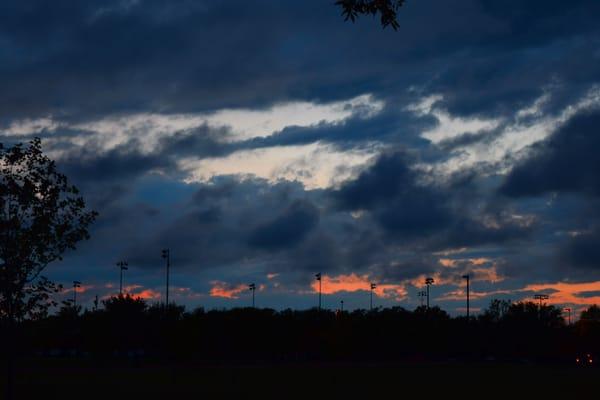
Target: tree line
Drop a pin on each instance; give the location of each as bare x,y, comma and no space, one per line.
129,328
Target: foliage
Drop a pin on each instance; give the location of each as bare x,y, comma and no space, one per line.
496,310
592,313
125,306
129,327
527,313
41,217
387,9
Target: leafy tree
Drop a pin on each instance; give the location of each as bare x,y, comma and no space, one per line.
433,313
387,10
496,310
592,313
125,306
528,312
41,217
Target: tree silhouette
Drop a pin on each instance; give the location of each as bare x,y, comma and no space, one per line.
387,10
496,310
529,313
124,306
41,216
592,313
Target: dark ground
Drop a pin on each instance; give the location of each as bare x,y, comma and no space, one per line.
66,378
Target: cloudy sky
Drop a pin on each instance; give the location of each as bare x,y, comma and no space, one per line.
265,141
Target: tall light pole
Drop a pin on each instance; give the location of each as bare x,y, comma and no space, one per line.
373,286
252,288
166,254
468,278
76,285
342,305
422,294
318,277
122,267
568,309
540,297
428,282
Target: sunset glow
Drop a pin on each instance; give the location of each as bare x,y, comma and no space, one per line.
226,290
569,293
354,283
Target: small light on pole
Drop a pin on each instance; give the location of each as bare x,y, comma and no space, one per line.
318,277
428,282
76,285
468,278
252,288
422,294
166,254
373,286
122,267
342,305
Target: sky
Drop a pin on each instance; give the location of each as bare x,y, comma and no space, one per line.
267,141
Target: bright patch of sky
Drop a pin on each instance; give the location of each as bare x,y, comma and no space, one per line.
316,165
509,144
110,132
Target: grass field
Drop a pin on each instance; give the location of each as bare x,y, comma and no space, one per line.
58,379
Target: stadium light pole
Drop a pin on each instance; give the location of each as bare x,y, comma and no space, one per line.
428,282
318,277
76,285
166,254
373,286
422,294
122,267
468,278
342,305
568,309
252,288
541,297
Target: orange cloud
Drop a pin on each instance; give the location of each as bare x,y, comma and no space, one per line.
453,262
568,293
80,289
489,274
437,277
147,294
187,293
461,294
140,291
447,262
226,290
355,283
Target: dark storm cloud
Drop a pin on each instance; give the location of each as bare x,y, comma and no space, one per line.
228,221
115,165
188,56
91,165
390,125
84,61
566,162
287,229
583,251
405,208
566,166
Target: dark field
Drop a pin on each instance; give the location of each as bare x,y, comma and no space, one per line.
60,378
